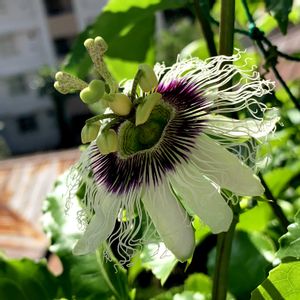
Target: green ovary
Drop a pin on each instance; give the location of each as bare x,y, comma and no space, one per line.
133,139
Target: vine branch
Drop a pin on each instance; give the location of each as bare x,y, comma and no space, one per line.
277,210
224,240
259,37
208,34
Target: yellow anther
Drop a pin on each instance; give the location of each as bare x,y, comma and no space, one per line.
107,142
89,132
93,92
148,80
119,103
66,83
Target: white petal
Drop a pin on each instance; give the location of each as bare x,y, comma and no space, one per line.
100,226
202,198
247,128
171,221
225,168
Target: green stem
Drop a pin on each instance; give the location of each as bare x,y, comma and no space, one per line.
227,27
285,87
205,25
136,79
265,40
224,240
224,245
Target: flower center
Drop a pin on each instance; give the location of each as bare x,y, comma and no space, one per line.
133,139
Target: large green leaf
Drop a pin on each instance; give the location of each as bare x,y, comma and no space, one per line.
128,28
282,283
290,242
279,178
251,256
115,276
262,214
26,279
82,278
198,282
280,9
196,286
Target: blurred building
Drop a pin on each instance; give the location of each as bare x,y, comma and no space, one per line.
33,34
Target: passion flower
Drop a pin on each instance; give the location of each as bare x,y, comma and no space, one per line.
176,157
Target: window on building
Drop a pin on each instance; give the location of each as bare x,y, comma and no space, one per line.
62,46
58,6
27,123
17,85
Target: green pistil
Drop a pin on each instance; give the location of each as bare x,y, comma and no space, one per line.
149,133
134,139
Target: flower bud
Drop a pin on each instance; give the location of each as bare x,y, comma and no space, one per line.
93,92
107,141
148,80
145,108
119,103
89,132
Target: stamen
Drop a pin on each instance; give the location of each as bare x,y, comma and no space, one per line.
96,48
89,132
93,92
67,83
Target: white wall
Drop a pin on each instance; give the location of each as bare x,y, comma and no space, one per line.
25,46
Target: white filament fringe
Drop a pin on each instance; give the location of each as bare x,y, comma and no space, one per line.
133,227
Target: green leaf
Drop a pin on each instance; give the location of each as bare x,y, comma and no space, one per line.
122,69
294,116
26,279
278,179
115,276
127,27
197,286
188,295
282,283
82,278
262,214
159,260
61,229
168,295
201,230
280,9
251,256
290,242
198,282
10,290
196,48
